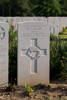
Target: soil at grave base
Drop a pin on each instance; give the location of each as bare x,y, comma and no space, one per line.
41,92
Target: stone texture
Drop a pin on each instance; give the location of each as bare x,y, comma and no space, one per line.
3,54
33,53
55,23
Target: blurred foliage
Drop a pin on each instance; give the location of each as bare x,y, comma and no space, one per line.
46,8
33,8
58,59
53,37
29,90
64,31
12,54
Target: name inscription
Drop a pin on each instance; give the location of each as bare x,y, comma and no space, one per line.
34,29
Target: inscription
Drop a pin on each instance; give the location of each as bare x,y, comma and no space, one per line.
34,29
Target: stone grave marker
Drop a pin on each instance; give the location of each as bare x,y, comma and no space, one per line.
54,23
33,53
3,54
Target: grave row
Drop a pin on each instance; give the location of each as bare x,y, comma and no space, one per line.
55,23
33,51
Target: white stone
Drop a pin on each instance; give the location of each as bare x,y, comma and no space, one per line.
54,23
3,54
33,53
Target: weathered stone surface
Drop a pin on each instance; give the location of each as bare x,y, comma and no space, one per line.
33,53
55,23
3,54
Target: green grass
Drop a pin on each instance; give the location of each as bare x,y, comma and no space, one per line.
65,32
63,36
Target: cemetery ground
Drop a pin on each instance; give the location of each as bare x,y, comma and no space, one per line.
58,63
54,91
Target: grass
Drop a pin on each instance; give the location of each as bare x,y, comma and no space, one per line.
65,32
63,36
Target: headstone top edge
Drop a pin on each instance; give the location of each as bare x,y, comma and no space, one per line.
31,22
5,23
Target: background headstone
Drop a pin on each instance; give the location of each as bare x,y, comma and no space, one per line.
54,23
33,53
3,54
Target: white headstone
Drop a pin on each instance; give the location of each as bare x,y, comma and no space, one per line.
34,19
54,23
33,53
3,54
63,21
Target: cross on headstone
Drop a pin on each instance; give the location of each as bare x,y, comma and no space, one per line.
2,33
34,52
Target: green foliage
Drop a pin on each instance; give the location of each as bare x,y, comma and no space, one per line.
46,7
29,89
58,59
20,8
55,59
12,53
61,33
14,8
64,7
53,37
64,31
33,8
63,36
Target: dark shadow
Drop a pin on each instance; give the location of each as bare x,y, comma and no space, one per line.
58,81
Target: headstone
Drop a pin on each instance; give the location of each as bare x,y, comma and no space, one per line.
33,53
34,19
64,21
3,54
2,19
54,23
